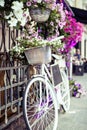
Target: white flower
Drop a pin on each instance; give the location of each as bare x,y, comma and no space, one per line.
39,1
16,48
12,22
18,14
17,5
2,3
23,21
8,16
24,17
33,23
26,13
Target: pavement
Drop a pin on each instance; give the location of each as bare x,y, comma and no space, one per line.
75,119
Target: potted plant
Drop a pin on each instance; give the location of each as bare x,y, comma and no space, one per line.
39,9
40,6
36,49
31,36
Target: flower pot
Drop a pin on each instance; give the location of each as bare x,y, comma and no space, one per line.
40,15
38,55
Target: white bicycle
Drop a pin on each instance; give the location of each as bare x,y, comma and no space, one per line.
43,96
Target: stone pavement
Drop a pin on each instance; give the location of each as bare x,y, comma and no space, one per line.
75,119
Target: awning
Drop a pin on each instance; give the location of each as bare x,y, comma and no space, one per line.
80,15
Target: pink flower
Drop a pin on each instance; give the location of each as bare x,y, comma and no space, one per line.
48,1
51,23
73,31
28,3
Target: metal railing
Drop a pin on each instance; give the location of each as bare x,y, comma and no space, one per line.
11,94
13,78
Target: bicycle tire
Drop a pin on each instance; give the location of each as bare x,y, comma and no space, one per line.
40,105
65,92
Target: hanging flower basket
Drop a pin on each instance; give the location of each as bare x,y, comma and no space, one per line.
38,55
40,15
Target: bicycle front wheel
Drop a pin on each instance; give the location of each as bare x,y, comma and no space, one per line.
40,105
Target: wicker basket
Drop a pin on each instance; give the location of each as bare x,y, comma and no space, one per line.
38,55
40,15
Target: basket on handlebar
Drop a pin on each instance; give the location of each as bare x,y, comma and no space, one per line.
38,55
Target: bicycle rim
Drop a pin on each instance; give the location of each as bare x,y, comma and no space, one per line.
65,93
40,105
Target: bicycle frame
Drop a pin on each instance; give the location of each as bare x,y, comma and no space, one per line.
48,78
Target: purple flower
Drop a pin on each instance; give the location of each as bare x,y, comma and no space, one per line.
39,30
74,93
78,86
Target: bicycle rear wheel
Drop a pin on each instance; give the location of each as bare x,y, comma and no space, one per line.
40,105
65,92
